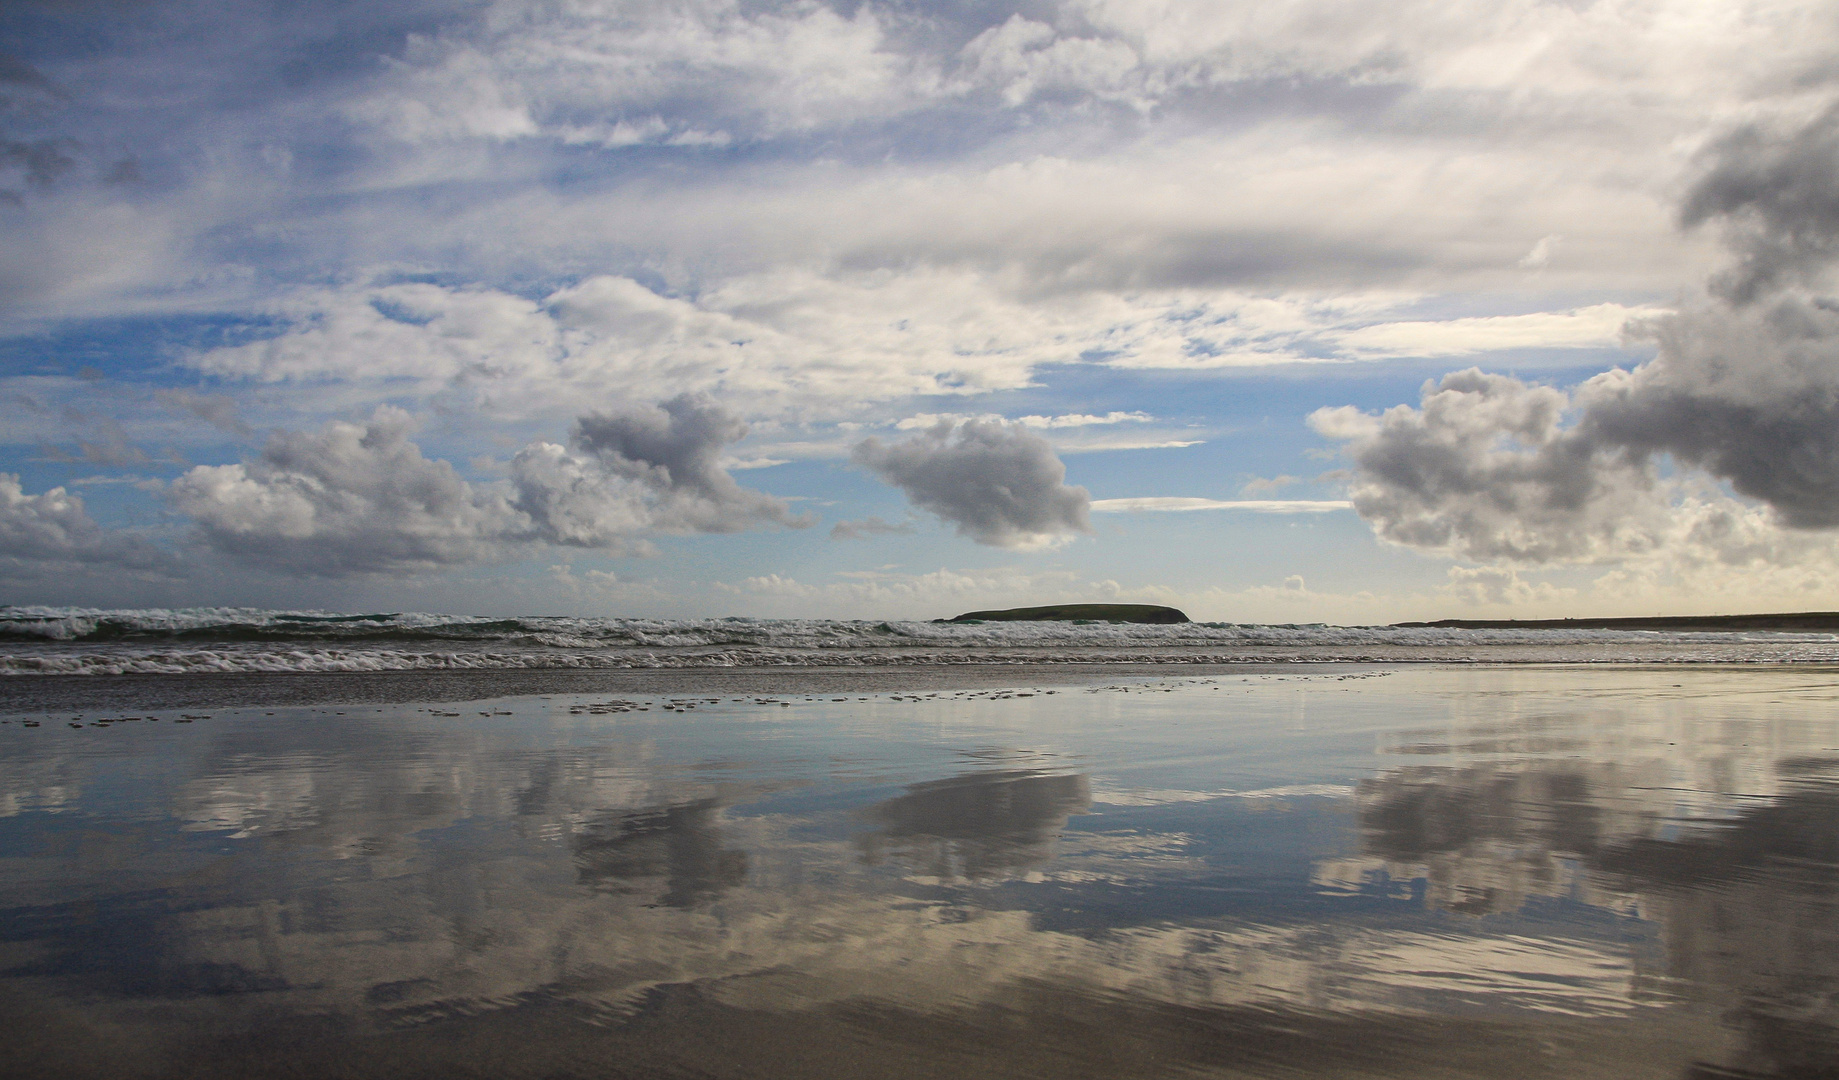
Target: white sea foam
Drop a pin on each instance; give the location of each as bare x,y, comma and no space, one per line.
51,640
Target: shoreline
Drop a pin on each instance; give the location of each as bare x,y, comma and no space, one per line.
227,690
214,689
1783,622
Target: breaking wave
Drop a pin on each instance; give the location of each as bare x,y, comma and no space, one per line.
55,640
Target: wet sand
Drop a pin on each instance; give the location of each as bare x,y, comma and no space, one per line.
1271,872
205,690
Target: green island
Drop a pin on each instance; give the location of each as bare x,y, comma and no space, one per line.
1125,613
1788,621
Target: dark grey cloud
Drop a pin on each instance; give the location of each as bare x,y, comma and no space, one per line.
40,161
15,72
1744,386
1777,192
674,450
1000,484
1750,395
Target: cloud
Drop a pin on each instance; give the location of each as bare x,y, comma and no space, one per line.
1495,585
1000,484
1179,504
1074,145
1269,483
674,451
349,498
362,499
788,339
1484,470
1073,420
775,585
1744,387
921,421
1777,193
622,74
1541,254
516,214
217,410
16,72
40,162
1596,327
867,527
1750,394
1025,58
55,528
111,445
1071,430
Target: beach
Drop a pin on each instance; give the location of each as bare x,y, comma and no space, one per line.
821,540
1070,869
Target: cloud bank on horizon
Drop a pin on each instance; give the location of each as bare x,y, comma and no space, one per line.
595,305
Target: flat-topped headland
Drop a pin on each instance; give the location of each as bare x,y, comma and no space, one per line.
1788,621
1126,613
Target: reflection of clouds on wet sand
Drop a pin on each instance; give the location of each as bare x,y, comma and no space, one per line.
402,878
679,845
977,825
1109,796
1486,838
644,898
567,878
1745,893
1750,917
31,783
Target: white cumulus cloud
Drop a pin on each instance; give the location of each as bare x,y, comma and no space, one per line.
361,498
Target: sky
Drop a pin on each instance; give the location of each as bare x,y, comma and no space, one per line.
1295,311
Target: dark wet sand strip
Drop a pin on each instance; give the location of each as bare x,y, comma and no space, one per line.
215,690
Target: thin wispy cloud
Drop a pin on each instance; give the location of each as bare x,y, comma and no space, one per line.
1166,504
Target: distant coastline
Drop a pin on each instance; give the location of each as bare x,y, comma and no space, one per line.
1788,621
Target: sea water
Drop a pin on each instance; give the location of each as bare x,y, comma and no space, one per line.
1322,870
59,641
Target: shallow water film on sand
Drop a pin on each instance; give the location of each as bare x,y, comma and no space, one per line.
1332,871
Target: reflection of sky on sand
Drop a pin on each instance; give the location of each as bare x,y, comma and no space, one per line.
1718,826
1580,852
978,825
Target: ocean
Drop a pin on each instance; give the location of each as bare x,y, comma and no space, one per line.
60,641
240,843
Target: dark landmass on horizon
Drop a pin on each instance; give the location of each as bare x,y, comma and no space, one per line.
1796,620
1130,613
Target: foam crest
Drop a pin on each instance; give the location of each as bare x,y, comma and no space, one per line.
58,640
